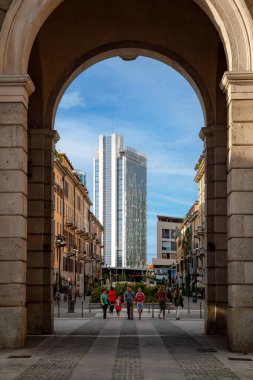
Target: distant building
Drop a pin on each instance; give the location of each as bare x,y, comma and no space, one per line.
78,235
191,240
166,236
120,193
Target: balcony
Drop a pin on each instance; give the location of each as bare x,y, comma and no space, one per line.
69,223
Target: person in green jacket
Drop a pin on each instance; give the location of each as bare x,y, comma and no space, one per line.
104,302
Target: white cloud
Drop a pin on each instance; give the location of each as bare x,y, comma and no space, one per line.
71,100
176,200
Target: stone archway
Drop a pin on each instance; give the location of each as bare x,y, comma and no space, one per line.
26,28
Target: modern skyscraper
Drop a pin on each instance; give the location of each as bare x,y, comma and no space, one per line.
120,193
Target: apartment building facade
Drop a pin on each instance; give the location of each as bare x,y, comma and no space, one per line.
78,234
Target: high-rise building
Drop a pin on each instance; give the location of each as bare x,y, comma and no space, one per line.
120,193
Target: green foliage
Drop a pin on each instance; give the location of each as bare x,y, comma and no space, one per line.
95,294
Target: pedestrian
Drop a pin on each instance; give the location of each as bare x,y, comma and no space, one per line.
178,301
129,300
111,298
139,298
118,306
104,302
162,298
57,296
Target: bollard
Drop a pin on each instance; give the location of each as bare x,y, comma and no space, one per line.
153,307
89,307
82,310
58,306
71,306
200,310
188,304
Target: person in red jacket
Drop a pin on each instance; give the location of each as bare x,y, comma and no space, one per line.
139,298
112,296
118,306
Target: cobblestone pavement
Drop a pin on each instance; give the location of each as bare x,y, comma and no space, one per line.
196,361
127,363
150,349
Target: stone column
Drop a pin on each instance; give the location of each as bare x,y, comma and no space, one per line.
215,141
40,231
14,94
239,89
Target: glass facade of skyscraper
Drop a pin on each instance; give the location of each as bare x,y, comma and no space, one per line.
120,192
135,196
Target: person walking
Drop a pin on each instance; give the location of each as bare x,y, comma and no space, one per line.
129,300
118,306
112,296
104,302
178,301
139,298
161,296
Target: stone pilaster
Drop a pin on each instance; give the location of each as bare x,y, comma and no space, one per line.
40,231
14,94
239,90
215,141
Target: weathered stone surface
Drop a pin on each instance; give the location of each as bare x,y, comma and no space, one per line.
240,203
220,223
240,329
240,249
40,259
240,272
240,180
220,189
13,136
13,159
13,295
13,179
13,226
13,114
40,318
13,249
12,327
37,294
13,204
39,276
13,272
240,111
221,259
240,226
240,296
241,134
240,157
221,241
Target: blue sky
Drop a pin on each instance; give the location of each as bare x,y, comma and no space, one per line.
157,112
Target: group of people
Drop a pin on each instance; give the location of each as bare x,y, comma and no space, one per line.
113,301
110,299
163,298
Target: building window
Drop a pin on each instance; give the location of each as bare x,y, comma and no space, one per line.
66,189
173,233
166,246
166,233
173,245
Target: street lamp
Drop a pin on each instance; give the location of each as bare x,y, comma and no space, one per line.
60,242
75,251
85,261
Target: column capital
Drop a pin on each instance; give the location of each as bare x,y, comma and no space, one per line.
45,132
212,130
16,89
237,85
